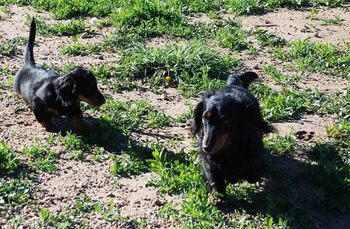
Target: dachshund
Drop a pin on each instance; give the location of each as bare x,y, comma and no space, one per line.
229,127
49,94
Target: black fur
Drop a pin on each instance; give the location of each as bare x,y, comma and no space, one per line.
229,128
49,94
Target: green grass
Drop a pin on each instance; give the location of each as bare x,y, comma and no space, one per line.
193,67
279,77
9,47
42,157
332,21
83,208
317,57
281,145
130,161
9,164
267,38
75,145
286,104
258,7
132,116
14,192
71,28
77,49
68,9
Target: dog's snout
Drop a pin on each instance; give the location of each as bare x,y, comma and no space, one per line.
208,142
207,148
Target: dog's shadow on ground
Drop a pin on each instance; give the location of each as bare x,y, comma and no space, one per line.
304,195
109,136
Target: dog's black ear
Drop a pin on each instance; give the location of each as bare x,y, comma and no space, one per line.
196,124
67,89
247,77
254,115
79,71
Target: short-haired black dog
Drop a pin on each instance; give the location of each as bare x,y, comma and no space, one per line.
229,127
49,94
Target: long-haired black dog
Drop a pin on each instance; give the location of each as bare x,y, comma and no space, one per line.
229,127
49,94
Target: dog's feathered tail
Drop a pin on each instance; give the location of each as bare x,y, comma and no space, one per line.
28,56
242,80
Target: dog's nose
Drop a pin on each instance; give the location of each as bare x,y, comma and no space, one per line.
207,148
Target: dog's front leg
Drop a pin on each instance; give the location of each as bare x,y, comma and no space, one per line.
213,175
76,118
44,118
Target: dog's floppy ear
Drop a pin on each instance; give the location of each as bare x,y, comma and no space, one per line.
79,71
254,115
196,124
247,77
67,89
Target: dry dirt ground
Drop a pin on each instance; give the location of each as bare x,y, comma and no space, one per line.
134,198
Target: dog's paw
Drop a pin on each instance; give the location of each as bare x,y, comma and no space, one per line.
216,198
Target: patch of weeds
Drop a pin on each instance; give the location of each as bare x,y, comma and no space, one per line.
232,36
247,6
242,219
151,18
130,161
317,57
184,117
259,7
266,38
286,104
9,47
279,77
75,145
191,66
107,75
78,49
178,176
340,129
70,28
281,145
313,14
84,207
175,175
133,115
123,37
60,70
9,164
42,157
14,192
69,9
332,21
49,219
336,104
333,173
189,7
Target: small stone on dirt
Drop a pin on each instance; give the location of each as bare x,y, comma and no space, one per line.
84,35
159,202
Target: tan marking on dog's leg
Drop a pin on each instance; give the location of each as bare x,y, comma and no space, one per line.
48,126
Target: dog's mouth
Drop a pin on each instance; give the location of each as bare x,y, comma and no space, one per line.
93,101
213,146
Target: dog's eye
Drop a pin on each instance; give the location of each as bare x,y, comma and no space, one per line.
208,115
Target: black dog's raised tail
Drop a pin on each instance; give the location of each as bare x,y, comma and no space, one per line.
243,80
29,57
